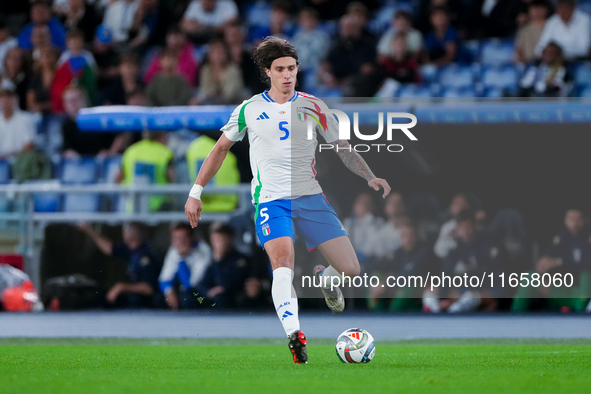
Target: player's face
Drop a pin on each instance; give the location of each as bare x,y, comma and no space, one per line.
283,74
574,221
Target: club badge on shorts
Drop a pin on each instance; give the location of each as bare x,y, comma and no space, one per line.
266,230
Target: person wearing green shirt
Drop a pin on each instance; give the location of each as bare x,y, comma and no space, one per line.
227,175
148,162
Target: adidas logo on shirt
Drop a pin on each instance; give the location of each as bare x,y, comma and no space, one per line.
263,116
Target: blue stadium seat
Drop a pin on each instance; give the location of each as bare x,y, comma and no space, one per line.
383,17
81,203
80,171
110,168
415,91
429,73
456,76
467,91
4,172
257,14
4,178
582,74
505,77
583,91
497,52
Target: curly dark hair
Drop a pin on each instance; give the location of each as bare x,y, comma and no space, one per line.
270,49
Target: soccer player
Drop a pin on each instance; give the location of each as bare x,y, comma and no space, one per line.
284,186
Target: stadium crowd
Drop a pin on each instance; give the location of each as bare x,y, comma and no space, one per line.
59,57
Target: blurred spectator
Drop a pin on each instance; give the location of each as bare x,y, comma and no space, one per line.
143,265
177,43
127,82
499,17
353,55
17,129
75,71
570,252
412,258
441,44
310,42
387,240
447,236
227,175
44,68
168,87
148,161
16,71
6,42
206,18
41,15
529,34
224,279
547,77
400,65
220,78
280,24
184,266
75,142
81,17
363,227
106,57
235,38
474,254
401,23
569,28
75,49
147,22
40,39
119,17
359,11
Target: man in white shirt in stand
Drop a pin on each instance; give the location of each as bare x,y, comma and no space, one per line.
184,266
17,128
205,18
570,28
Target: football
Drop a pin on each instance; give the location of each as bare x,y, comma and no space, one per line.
355,346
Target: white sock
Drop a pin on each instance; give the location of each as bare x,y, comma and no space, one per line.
285,299
331,275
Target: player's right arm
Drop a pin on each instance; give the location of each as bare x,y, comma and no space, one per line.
209,168
233,131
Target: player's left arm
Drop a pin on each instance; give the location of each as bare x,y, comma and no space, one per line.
355,163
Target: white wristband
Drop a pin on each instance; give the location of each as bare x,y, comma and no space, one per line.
196,192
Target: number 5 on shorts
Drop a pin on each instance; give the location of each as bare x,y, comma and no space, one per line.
264,215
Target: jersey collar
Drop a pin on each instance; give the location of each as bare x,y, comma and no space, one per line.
269,99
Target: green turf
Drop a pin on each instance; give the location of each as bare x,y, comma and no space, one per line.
203,366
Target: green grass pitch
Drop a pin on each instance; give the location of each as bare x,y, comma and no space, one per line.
264,366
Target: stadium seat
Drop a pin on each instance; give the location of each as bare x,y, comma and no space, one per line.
4,172
456,76
4,178
406,91
46,202
110,168
497,52
429,73
383,17
505,77
452,92
582,74
76,172
257,14
583,91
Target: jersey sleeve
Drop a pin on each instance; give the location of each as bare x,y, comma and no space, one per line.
235,129
329,129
